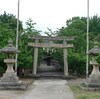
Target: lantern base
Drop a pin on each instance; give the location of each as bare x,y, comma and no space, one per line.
93,82
11,86
11,82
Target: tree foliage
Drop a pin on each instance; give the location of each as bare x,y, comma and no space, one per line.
77,27
26,54
8,25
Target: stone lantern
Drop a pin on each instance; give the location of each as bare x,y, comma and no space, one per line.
94,78
10,79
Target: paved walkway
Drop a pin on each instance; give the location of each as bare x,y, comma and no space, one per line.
41,89
47,71
44,67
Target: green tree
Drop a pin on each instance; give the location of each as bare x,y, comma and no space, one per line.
30,29
26,54
77,27
8,24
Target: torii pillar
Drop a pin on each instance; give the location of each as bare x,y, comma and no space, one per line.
65,59
35,58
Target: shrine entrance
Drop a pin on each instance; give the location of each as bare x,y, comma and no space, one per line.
51,44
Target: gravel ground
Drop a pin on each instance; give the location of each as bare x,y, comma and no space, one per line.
44,88
15,94
76,81
40,89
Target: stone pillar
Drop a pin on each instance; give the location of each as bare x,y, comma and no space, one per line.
35,58
10,77
96,66
65,59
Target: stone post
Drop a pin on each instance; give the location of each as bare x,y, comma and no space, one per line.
35,58
9,77
65,59
96,66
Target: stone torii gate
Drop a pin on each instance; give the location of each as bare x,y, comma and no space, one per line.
36,45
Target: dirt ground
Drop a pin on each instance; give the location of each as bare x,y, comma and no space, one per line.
27,81
76,81
41,87
69,82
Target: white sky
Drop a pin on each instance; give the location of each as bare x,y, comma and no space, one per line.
50,13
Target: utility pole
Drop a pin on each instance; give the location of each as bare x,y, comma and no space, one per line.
17,35
87,40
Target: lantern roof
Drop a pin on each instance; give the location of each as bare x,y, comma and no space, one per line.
95,50
9,49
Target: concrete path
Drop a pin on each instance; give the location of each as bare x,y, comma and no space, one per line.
48,71
50,89
41,89
44,67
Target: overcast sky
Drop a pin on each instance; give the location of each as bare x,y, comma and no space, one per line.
50,13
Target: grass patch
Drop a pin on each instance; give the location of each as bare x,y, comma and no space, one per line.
82,94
